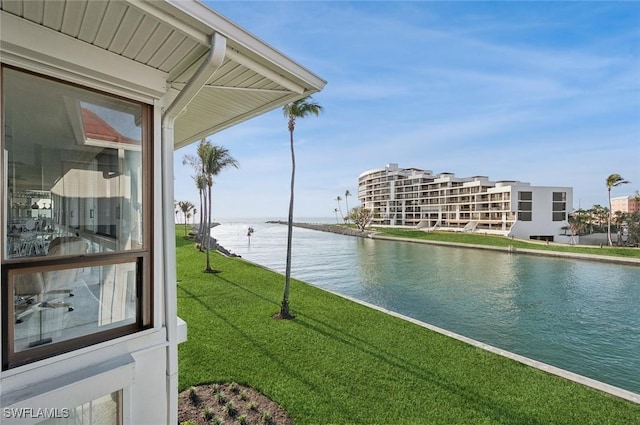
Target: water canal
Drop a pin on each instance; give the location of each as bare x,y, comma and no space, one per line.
577,315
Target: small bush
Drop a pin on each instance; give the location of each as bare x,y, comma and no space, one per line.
208,414
243,395
193,396
221,398
189,422
266,417
242,419
231,410
234,387
252,406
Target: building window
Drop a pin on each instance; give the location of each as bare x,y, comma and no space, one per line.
525,206
559,206
525,196
524,215
77,190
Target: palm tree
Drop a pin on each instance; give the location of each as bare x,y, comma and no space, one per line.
215,159
201,183
612,181
297,109
335,210
186,207
346,201
338,199
197,163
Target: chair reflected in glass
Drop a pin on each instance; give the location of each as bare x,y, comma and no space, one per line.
42,291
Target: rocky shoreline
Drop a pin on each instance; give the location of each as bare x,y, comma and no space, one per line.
331,228
213,242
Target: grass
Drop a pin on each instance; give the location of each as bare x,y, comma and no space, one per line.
501,241
339,362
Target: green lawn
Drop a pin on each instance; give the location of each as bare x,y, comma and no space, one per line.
501,241
342,363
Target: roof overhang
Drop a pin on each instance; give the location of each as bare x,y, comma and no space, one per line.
168,40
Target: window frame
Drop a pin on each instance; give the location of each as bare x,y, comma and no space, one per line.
143,257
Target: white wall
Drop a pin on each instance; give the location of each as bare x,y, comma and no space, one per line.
137,363
542,223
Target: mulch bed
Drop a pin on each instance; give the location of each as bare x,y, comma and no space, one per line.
228,403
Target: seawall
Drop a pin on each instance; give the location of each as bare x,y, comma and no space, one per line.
342,230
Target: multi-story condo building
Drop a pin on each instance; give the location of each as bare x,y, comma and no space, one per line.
625,204
418,198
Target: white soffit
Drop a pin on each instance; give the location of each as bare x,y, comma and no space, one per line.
173,36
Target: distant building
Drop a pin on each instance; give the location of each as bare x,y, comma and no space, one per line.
625,204
418,198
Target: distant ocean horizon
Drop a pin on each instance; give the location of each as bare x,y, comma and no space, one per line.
258,220
323,220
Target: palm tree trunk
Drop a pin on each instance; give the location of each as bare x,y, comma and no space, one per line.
202,212
346,202
609,221
204,220
207,232
185,224
284,307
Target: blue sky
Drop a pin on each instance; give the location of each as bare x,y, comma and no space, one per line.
541,92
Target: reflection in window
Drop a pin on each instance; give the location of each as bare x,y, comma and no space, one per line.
103,411
73,167
101,297
76,176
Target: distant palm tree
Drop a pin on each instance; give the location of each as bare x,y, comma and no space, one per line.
215,159
614,180
208,161
338,199
201,183
196,162
186,207
297,109
346,201
335,210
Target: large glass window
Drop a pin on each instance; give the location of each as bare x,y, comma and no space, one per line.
76,182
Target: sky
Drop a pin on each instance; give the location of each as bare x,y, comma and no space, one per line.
540,92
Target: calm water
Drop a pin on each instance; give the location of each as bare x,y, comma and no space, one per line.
577,315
